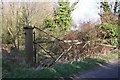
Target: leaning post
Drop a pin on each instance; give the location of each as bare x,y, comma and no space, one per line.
29,54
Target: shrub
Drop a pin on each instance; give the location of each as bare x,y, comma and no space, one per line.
111,32
61,18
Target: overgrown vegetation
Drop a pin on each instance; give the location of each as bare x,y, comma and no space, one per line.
61,18
111,33
98,41
62,70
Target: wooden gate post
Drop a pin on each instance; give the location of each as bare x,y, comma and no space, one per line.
29,54
119,28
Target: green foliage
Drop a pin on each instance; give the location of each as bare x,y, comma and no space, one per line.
112,32
63,70
105,6
49,23
11,64
61,17
6,65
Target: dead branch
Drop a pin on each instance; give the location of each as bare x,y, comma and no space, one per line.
57,41
46,52
108,45
61,55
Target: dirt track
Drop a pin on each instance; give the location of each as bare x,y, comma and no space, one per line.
109,70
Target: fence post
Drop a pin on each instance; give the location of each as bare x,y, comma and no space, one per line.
119,28
29,55
34,47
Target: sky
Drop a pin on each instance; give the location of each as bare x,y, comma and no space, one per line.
85,11
47,0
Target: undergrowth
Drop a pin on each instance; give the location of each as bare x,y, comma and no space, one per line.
61,71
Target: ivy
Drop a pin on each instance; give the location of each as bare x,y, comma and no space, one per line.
62,15
61,18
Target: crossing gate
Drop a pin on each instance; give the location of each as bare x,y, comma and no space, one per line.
46,53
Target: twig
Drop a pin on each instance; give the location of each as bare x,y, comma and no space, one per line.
108,45
61,55
46,51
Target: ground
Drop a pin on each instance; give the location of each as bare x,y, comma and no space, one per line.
109,70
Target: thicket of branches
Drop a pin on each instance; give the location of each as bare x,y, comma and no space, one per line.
17,15
57,23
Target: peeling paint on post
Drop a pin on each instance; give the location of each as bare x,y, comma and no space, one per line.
29,55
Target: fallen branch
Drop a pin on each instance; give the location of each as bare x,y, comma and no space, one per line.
108,45
57,41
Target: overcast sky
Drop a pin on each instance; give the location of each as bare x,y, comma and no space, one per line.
44,0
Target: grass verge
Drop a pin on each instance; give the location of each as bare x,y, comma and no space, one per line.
63,70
